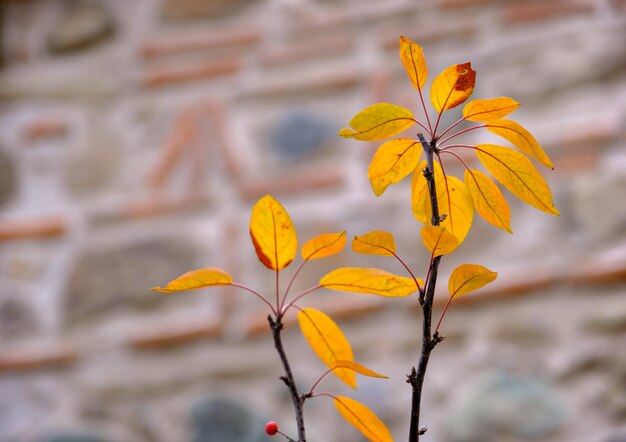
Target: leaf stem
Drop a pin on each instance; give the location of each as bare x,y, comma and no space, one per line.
459,121
276,326
293,278
461,132
294,300
443,313
255,293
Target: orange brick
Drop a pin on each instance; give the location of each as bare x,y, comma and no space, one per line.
599,272
23,359
331,82
45,127
524,12
429,34
225,39
224,142
168,76
306,50
325,179
42,227
576,163
174,336
456,4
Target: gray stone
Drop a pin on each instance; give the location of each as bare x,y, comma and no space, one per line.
85,24
92,167
611,320
300,134
502,407
17,319
8,183
120,278
223,420
72,437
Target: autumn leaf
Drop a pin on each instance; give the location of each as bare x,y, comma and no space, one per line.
519,137
376,242
488,200
393,161
324,245
491,109
469,277
453,198
363,419
369,281
273,234
412,57
358,368
197,279
378,121
452,86
438,240
328,342
518,175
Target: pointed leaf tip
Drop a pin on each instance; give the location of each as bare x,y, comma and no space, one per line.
412,58
376,242
469,277
378,121
369,281
197,279
324,245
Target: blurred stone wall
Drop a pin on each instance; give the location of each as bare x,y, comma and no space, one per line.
135,137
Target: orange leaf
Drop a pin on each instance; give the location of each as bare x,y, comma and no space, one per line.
453,199
369,281
197,279
488,200
375,242
519,137
452,86
328,342
273,234
491,109
517,174
378,121
393,161
359,369
469,277
363,419
438,240
324,245
412,57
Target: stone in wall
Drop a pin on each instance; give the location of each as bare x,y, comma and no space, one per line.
92,167
85,24
120,277
17,319
8,183
502,407
222,420
300,134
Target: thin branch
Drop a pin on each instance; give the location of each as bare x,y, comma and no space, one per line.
288,379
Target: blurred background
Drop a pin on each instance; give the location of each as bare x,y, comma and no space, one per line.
135,136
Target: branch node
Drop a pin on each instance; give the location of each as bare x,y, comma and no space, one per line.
443,217
423,430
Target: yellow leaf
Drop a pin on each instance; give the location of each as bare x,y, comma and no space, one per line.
469,277
197,279
369,281
273,234
453,198
328,342
363,419
375,242
324,245
517,174
491,109
438,240
359,369
393,161
378,121
452,86
519,137
412,57
488,200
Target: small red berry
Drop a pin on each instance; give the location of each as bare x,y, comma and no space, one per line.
271,428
